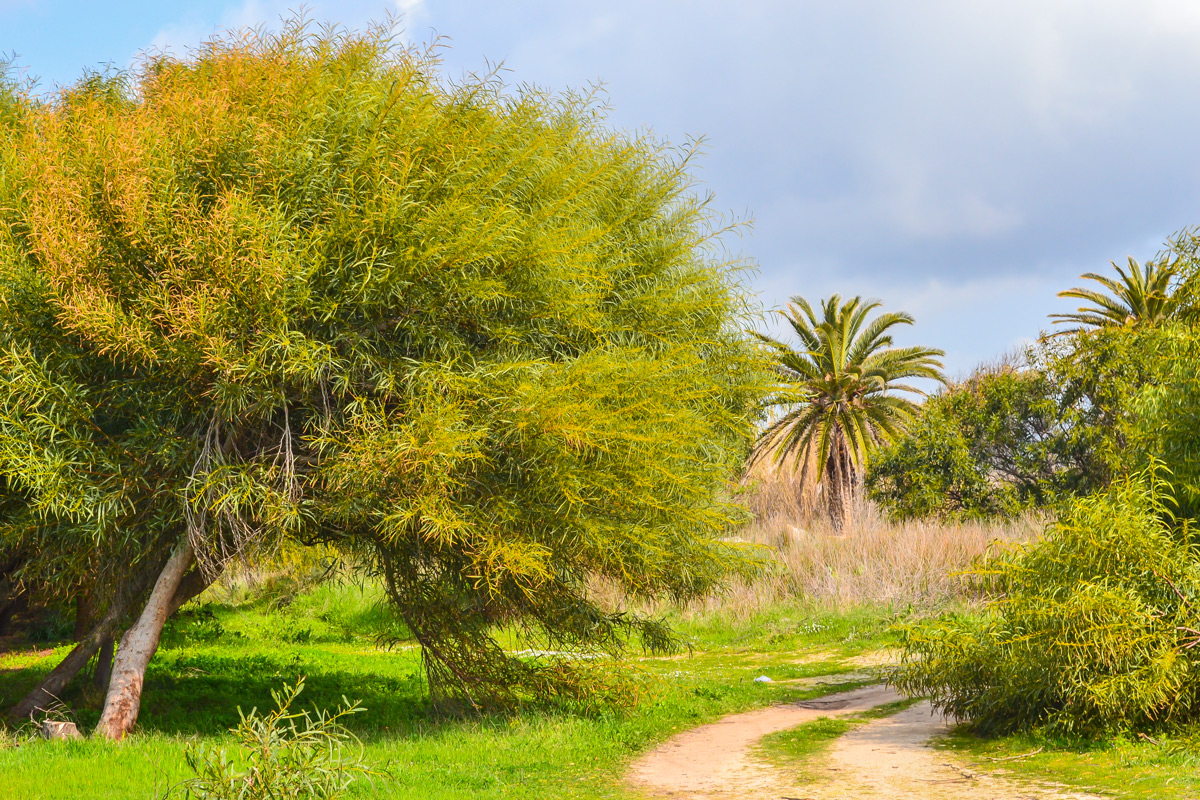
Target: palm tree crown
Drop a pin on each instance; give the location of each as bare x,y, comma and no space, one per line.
839,389
1142,295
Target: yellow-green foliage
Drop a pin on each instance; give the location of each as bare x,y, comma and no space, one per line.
1095,626
301,285
282,755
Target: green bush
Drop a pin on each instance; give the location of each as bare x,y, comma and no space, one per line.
932,471
1020,435
1095,627
283,755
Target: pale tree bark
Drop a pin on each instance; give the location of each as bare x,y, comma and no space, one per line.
192,584
138,646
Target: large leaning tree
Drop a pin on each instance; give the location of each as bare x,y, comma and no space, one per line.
298,286
841,391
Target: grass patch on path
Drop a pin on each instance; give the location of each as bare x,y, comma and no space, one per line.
798,749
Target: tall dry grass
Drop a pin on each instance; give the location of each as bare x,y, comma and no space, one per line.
871,561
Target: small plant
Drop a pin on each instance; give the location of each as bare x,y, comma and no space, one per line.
285,754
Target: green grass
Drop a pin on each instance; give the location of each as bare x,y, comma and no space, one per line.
218,656
1163,769
215,658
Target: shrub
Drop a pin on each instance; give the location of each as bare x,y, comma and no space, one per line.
285,754
1024,433
1094,627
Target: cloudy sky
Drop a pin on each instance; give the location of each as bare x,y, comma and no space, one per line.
961,161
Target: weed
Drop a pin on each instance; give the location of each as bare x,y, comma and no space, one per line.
285,755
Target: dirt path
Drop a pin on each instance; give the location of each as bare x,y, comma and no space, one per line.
886,758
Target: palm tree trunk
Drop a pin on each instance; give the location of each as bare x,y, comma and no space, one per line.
835,468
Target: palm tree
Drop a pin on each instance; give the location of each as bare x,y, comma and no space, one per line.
1142,295
838,391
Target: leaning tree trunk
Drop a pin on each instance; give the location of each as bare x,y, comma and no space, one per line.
48,689
138,646
100,638
104,662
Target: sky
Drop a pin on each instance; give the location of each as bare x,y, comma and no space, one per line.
959,161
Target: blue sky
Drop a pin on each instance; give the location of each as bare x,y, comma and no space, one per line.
961,161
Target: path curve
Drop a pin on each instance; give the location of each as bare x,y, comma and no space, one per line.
885,758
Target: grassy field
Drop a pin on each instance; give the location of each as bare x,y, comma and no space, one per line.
219,656
243,641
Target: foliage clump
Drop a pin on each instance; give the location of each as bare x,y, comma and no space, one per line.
1036,429
283,755
1095,628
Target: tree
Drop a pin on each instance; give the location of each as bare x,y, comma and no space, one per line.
1025,433
1141,296
298,286
934,470
839,392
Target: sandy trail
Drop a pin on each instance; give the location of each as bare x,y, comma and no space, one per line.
885,758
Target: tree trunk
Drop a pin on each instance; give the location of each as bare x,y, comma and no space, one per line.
10,608
104,662
85,616
13,598
192,584
100,638
138,646
842,480
837,487
47,691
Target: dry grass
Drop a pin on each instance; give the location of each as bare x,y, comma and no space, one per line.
871,561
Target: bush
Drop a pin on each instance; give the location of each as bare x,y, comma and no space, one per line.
1024,433
1094,628
285,754
932,471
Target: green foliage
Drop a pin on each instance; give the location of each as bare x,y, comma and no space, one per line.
285,755
1021,435
299,286
1094,627
1167,413
839,390
947,461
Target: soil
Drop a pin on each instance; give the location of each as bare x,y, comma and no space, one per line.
885,758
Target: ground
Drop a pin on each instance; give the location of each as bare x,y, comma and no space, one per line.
220,656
